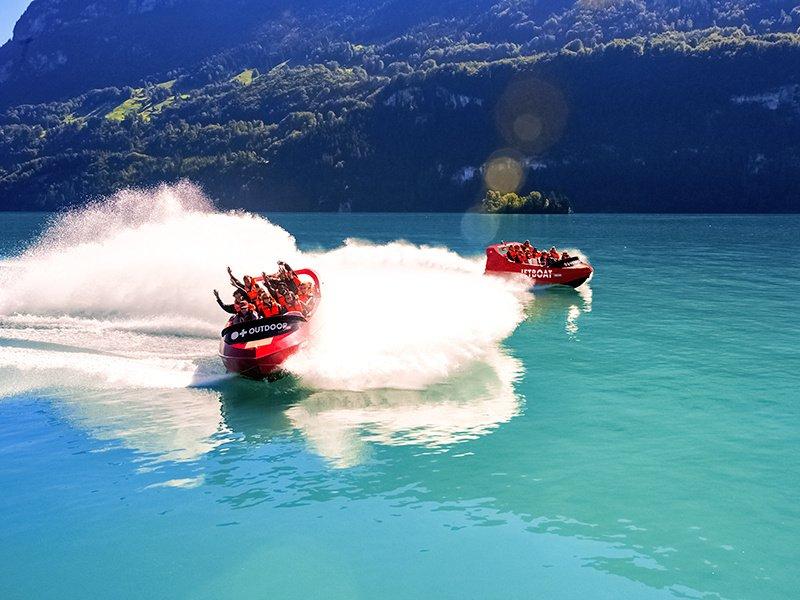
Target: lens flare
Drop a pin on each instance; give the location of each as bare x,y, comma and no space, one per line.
504,172
531,115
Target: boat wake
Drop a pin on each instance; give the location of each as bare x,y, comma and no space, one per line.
118,294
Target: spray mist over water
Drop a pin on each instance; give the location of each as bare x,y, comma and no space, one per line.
398,315
132,277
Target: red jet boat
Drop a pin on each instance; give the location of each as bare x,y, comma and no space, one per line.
570,271
257,348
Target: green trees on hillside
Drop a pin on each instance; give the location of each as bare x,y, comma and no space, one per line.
676,121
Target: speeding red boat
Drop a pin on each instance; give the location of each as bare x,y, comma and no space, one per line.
570,271
257,348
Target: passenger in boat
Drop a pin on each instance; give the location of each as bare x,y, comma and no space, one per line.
527,251
250,286
306,292
292,304
238,297
515,253
244,312
241,309
267,306
282,292
553,253
291,278
276,288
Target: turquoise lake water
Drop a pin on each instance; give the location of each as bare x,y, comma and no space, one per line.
646,446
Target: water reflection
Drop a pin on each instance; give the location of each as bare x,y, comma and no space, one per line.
561,302
160,425
185,424
341,425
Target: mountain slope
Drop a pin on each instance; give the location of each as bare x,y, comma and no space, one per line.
622,105
62,48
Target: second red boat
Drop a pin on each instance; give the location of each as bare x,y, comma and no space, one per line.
571,271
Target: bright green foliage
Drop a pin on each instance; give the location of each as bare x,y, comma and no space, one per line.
533,203
131,107
145,102
245,77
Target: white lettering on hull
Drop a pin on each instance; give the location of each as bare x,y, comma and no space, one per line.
540,273
259,329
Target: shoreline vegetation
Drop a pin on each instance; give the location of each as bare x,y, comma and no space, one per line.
532,203
632,107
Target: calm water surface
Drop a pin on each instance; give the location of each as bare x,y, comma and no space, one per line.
648,449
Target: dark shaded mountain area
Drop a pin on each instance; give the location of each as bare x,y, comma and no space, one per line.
617,105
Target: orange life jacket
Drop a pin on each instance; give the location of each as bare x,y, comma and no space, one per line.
291,306
271,310
253,293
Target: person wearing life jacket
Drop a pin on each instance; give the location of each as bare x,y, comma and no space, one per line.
244,312
527,251
238,297
276,290
267,306
292,303
513,254
291,278
306,292
553,253
252,289
250,286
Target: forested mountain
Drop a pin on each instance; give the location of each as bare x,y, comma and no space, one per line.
648,105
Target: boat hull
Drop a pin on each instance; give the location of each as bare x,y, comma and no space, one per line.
264,358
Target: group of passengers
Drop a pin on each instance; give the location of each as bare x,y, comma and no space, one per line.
527,254
282,292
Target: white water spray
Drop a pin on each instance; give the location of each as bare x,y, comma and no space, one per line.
132,276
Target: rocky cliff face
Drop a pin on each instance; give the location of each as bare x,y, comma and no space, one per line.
48,17
64,47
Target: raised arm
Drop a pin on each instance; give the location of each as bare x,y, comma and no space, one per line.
269,288
235,282
292,278
228,308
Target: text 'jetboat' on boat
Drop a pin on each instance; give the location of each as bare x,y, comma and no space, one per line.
543,267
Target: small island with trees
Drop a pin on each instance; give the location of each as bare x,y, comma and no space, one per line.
495,202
